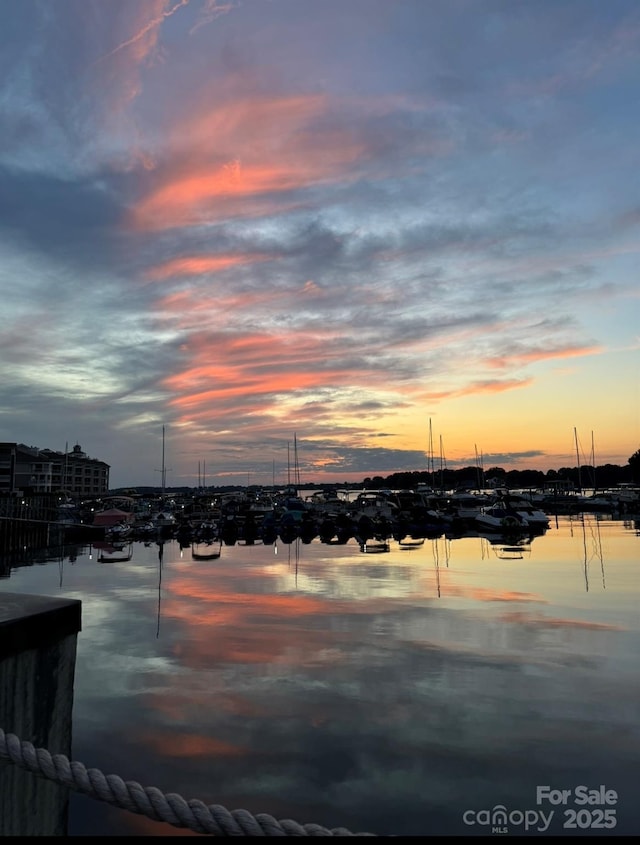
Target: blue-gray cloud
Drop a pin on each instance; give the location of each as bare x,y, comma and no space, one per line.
427,202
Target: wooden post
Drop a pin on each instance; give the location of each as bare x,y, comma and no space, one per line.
38,637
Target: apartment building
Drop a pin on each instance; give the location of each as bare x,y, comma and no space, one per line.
28,469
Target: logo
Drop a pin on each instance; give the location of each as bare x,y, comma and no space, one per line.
579,808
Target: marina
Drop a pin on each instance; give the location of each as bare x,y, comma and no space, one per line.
320,443
405,685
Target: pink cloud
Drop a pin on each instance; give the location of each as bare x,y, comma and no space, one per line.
194,265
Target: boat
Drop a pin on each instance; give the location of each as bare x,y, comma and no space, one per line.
119,531
535,516
207,550
144,528
466,505
204,530
164,519
114,552
109,517
621,499
502,518
328,502
375,504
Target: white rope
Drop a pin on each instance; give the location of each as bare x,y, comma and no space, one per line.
150,801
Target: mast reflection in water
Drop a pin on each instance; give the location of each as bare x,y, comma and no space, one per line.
387,692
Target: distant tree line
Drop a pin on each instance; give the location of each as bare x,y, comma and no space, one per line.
473,477
467,478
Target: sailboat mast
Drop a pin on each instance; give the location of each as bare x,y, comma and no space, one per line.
296,464
479,471
164,472
430,462
575,435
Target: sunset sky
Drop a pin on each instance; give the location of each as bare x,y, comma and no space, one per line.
378,228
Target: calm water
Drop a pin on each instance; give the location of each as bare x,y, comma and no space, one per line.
393,693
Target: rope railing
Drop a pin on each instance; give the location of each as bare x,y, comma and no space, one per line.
150,801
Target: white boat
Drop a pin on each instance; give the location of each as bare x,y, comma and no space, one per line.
328,502
501,518
535,516
467,505
375,504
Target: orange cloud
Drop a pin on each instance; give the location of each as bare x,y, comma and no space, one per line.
533,355
278,383
254,365
203,196
479,387
182,307
193,265
264,148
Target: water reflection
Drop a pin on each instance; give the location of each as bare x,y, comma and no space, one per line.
591,544
386,692
160,557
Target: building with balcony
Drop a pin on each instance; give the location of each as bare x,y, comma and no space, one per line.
28,469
